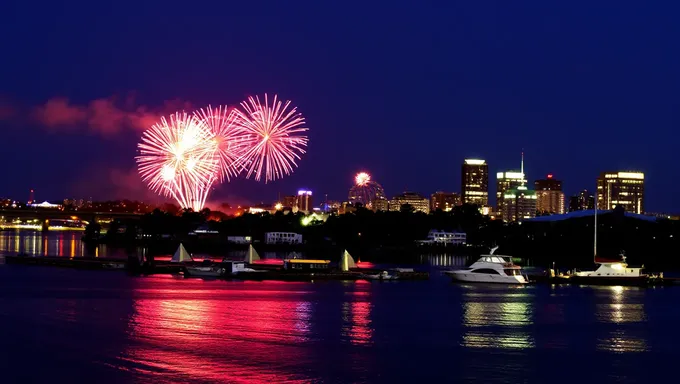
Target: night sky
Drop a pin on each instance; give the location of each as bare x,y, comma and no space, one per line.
402,89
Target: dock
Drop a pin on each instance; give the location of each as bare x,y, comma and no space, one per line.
647,281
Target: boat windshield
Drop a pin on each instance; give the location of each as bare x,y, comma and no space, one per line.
495,259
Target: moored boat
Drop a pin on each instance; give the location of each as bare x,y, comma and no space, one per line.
384,275
490,269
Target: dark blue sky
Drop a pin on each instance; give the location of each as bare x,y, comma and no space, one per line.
402,89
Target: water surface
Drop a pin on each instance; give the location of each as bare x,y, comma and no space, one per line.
100,326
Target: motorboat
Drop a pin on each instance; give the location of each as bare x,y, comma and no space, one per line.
205,269
490,269
384,275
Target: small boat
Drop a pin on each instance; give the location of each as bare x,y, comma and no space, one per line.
490,269
205,271
113,265
384,275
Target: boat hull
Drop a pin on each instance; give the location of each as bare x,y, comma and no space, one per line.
485,278
609,280
200,272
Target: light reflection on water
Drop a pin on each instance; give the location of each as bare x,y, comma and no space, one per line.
210,334
62,243
491,324
165,329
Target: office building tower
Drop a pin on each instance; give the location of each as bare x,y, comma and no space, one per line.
505,181
621,189
444,201
304,201
475,182
582,201
519,203
289,201
549,195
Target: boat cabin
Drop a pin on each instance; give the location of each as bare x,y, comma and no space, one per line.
612,269
233,267
306,264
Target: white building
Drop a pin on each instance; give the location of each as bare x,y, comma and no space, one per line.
282,238
239,239
436,237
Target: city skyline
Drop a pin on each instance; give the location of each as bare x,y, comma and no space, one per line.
549,191
72,110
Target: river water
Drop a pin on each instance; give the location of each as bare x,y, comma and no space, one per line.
69,244
63,325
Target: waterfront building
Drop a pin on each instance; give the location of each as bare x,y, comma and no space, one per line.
621,189
435,237
418,202
283,238
549,195
239,239
519,204
475,182
444,201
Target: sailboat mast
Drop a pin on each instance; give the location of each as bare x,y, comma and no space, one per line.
595,237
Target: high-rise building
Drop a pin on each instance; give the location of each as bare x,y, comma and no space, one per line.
519,203
549,195
475,182
582,201
418,202
304,201
505,181
444,201
621,189
289,201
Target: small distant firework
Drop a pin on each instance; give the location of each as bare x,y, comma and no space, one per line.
177,159
274,137
365,190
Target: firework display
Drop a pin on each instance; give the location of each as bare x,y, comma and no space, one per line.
275,136
230,143
182,157
365,190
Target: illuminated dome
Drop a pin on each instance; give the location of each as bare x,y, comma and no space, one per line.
365,190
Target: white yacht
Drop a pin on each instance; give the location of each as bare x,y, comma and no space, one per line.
490,269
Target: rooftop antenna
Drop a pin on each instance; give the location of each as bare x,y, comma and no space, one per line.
522,167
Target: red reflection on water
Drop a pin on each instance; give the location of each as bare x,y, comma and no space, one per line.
356,315
365,264
215,331
269,261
